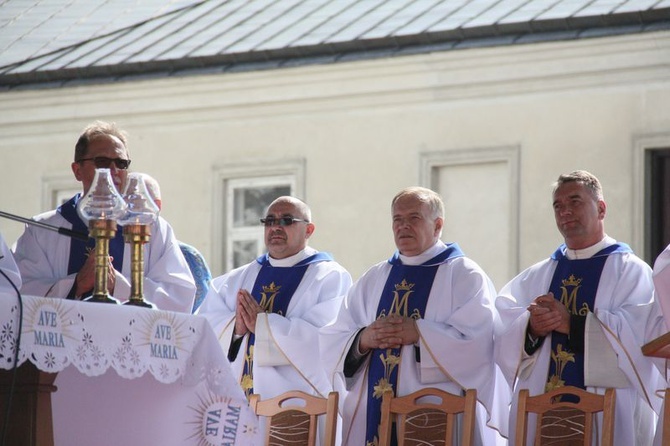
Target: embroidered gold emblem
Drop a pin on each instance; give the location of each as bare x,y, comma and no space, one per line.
399,306
404,286
268,296
569,292
390,362
571,281
247,381
561,358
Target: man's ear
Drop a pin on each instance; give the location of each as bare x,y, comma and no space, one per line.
439,223
602,209
76,170
309,230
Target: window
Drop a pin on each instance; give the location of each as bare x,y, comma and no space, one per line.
57,189
241,196
657,234
248,199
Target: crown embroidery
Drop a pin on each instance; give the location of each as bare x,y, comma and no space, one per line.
272,288
403,286
571,281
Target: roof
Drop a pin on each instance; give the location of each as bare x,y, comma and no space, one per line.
61,42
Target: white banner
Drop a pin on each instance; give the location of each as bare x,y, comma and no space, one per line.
129,375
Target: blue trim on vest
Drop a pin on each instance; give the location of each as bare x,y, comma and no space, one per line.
318,257
450,252
79,249
617,248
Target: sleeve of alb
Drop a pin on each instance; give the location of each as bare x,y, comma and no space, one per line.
354,358
234,347
576,337
532,344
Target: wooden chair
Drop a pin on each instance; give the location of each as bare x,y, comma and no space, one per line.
428,422
561,420
666,417
295,424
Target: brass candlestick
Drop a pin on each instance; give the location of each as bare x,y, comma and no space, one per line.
101,206
137,235
102,230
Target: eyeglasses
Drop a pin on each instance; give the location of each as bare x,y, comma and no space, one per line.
281,221
102,162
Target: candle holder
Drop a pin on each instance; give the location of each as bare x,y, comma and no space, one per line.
137,235
100,207
142,213
102,230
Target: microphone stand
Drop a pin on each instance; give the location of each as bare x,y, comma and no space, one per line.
62,231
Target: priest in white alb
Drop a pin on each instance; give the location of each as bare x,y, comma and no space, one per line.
423,318
53,265
580,317
267,313
661,277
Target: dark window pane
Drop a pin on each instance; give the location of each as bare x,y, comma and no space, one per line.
251,203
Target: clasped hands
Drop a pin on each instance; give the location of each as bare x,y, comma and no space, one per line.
546,315
389,332
246,311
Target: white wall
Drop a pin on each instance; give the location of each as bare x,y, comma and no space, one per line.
365,130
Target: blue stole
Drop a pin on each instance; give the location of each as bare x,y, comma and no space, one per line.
574,284
273,290
79,250
405,294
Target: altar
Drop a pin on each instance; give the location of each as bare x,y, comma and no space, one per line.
128,375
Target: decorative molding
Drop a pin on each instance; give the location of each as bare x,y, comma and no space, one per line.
536,68
640,225
251,169
431,162
53,184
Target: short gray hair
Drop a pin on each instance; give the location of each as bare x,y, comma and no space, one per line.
424,195
581,176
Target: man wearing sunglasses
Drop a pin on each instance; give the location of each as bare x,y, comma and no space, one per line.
56,266
267,313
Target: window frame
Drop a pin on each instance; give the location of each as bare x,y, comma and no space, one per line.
643,146
226,178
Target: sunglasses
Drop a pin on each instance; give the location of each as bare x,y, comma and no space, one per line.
281,221
102,162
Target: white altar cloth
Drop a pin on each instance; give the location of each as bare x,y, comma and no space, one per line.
129,375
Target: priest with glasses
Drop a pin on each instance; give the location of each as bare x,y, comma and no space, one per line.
53,265
267,314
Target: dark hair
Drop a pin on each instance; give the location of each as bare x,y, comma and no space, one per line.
94,130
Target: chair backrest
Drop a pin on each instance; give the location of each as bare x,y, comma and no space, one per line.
666,417
293,417
428,416
566,413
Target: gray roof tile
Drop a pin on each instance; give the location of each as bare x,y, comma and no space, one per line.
46,40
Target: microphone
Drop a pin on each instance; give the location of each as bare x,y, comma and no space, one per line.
63,231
